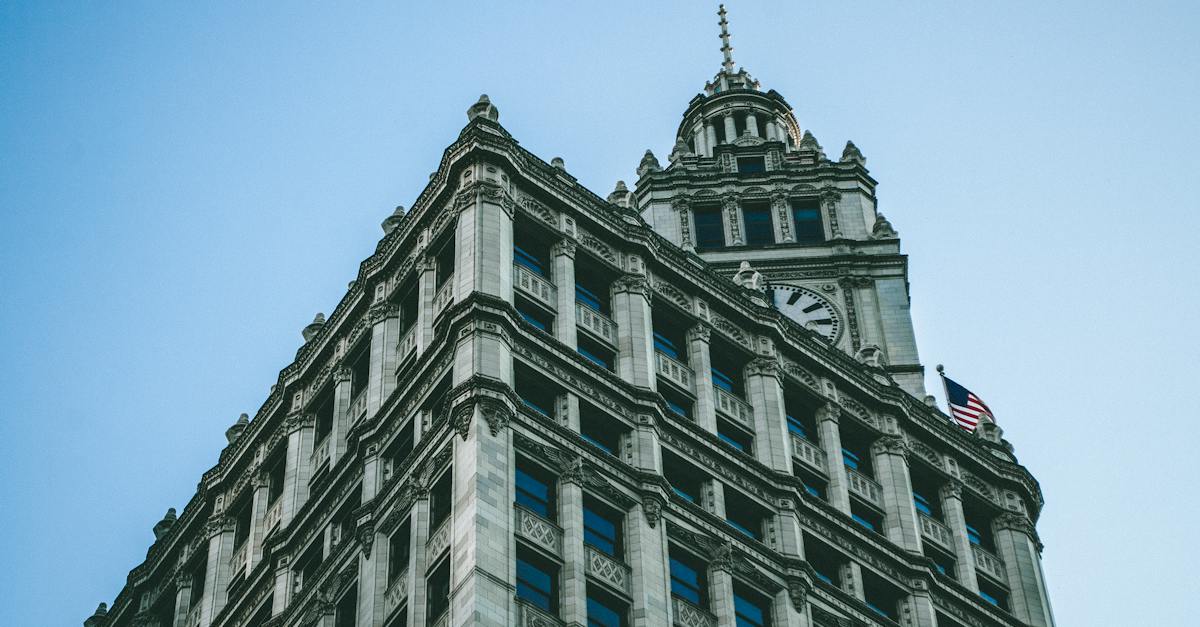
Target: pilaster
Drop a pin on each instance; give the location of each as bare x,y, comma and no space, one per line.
891,471
1019,549
484,246
563,255
220,532
647,550
385,343
956,522
426,290
704,413
419,568
764,390
341,415
183,598
828,417
720,587
635,331
573,591
297,465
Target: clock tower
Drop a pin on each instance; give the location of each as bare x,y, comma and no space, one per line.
754,196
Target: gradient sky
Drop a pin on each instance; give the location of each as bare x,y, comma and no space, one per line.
182,187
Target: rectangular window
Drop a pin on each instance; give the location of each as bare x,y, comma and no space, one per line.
688,581
603,610
751,165
710,228
537,581
535,490
445,262
735,437
531,261
398,551
360,369
534,316
438,590
826,562
851,459
757,218
537,392
807,215
440,498
743,514
275,479
867,517
324,417
993,594
923,505
942,562
750,609
601,430
666,346
685,480
814,485
602,528
591,290
346,612
881,596
596,353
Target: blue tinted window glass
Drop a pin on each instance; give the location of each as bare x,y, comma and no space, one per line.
797,427
823,577
684,495
532,320
528,260
922,504
535,585
665,346
677,408
973,535
686,582
533,494
877,610
601,615
758,225
808,224
813,490
748,613
710,230
722,380
989,598
742,528
850,459
535,407
863,521
594,358
588,298
600,531
732,442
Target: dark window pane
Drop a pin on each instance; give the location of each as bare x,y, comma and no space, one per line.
604,613
807,215
665,346
710,230
533,262
757,219
751,165
536,584
749,613
602,530
687,581
535,493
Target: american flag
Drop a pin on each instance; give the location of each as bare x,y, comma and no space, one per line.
966,408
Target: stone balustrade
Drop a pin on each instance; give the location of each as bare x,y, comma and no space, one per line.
864,487
438,541
408,343
358,407
688,615
238,562
529,615
320,454
445,294
936,532
809,453
733,407
538,530
274,515
673,370
537,287
597,324
397,592
987,563
607,569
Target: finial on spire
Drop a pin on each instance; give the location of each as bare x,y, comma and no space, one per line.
726,49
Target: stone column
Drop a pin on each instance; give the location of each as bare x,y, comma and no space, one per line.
710,137
956,522
341,414
699,359
283,585
563,254
730,129
831,442
481,536
183,598
785,227
419,561
484,246
891,471
647,550
772,130
764,391
713,497
720,587
731,215
297,465
385,341
372,564
220,532
573,591
919,605
789,539
700,139
258,520
635,331
752,124
1020,550
426,289
852,580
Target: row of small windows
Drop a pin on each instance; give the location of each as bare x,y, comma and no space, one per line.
758,227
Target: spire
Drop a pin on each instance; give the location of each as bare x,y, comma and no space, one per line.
726,49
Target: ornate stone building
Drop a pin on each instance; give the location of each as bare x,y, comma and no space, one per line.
694,403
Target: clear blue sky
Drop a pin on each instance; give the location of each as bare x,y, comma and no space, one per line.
183,186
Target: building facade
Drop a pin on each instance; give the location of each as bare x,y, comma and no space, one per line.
693,403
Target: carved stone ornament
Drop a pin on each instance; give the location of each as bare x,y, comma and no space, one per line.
883,229
871,356
632,284
366,537
648,164
183,579
798,590
564,247
829,411
952,490
702,332
652,508
763,366
891,445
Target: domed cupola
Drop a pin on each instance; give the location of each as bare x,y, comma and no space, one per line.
734,110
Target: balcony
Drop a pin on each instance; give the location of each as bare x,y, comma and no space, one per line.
538,530
597,324
438,541
935,532
864,487
320,454
358,407
408,344
688,615
396,593
274,515
607,569
809,453
537,287
529,615
987,563
444,295
673,371
733,407
238,563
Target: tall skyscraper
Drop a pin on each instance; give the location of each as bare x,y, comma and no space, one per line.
693,403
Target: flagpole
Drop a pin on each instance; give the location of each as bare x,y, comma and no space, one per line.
941,370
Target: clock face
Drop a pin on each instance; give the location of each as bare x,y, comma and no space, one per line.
807,308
